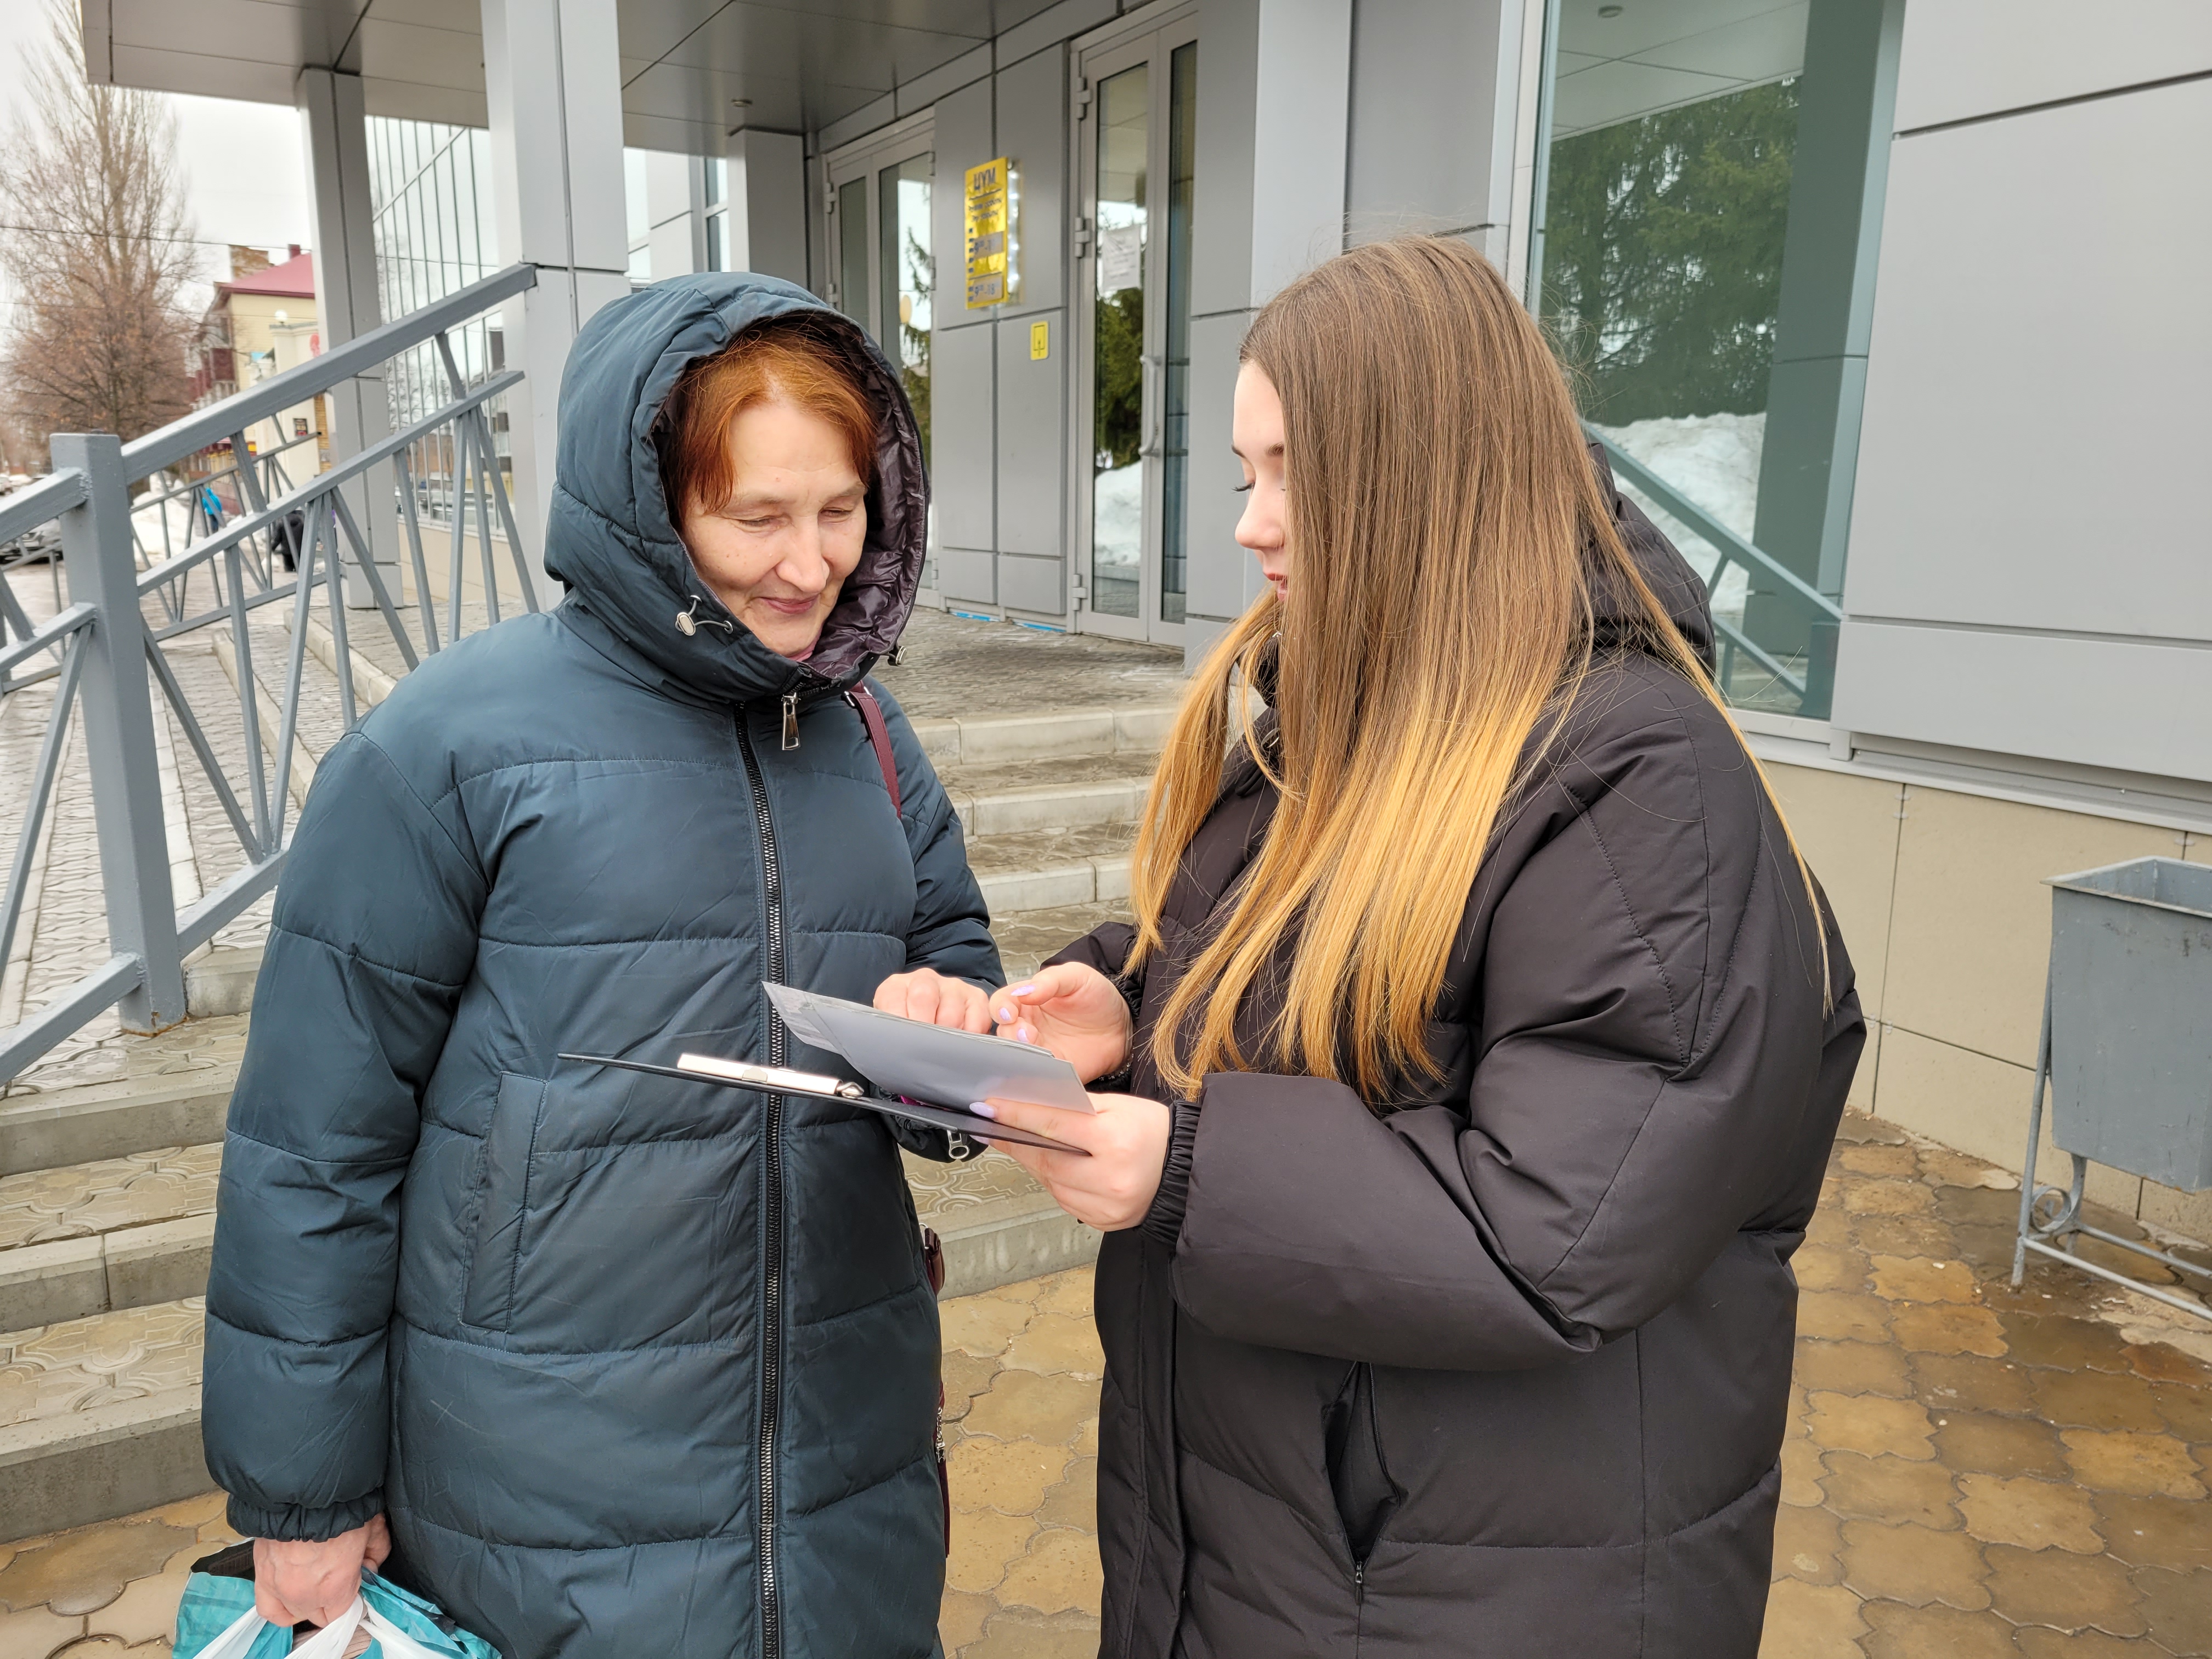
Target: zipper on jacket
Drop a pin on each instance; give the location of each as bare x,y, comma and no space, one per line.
1359,1584
772,1203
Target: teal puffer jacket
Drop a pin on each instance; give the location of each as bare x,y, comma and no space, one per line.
636,1366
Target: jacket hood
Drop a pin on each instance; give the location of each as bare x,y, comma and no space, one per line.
612,540
1668,573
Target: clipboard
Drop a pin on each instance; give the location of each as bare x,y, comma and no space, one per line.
910,1059
780,1080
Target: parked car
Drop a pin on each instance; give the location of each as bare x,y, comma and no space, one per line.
37,546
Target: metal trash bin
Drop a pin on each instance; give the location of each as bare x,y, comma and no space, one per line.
2126,1050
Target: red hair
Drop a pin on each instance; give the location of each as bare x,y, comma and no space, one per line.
788,359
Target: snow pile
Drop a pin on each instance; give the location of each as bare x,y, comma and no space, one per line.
1713,460
1117,520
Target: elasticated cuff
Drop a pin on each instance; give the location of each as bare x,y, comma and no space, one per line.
303,1524
1164,1221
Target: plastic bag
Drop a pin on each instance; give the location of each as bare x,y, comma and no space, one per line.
215,1620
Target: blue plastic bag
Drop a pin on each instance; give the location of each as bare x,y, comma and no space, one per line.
215,1620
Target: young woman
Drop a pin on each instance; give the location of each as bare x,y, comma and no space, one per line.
622,1366
1503,1034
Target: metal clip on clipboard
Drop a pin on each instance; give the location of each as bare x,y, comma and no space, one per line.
781,1080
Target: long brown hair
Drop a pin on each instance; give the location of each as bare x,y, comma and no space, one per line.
1447,531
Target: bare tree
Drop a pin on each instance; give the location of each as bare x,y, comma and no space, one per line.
95,240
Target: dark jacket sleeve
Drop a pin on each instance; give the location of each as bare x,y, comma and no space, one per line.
952,926
373,934
1651,1084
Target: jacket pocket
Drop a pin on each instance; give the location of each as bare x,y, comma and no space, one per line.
504,1202
1366,1495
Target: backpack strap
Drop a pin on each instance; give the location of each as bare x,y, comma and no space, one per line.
879,739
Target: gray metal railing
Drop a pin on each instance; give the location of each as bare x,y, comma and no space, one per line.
104,652
1812,684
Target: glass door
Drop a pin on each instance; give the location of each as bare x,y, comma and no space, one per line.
885,270
1136,146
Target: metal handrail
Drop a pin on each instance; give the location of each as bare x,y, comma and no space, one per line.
193,433
112,676
36,504
1733,548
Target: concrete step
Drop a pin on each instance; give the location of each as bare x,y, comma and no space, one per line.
53,1129
100,1417
100,1413
93,1238
1002,739
1065,793
1044,869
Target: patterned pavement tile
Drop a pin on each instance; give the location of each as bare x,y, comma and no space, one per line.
2043,1501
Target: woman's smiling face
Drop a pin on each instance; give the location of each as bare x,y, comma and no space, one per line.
1255,431
779,550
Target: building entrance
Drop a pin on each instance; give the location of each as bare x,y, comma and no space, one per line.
1136,130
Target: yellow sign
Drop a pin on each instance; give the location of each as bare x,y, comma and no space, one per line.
990,233
1040,340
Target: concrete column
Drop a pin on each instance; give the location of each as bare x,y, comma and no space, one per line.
347,303
1274,100
552,81
768,204
1817,386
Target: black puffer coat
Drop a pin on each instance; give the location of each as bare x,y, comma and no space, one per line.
1500,1369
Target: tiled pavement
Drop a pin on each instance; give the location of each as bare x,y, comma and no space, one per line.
1970,1471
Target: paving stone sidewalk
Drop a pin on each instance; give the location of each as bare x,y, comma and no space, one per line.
1970,1471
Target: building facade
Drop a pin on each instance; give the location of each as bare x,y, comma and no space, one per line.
1903,296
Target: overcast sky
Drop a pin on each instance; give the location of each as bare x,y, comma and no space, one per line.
244,164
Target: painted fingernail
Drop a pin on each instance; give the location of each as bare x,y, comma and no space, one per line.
1026,1035
982,1108
1021,990
1003,1015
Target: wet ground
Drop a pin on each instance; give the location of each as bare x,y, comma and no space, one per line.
1970,1470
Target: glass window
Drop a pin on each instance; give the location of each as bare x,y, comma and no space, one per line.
635,213
1677,173
1174,446
852,250
909,278
1117,484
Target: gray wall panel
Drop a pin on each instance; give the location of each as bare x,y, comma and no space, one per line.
1031,585
1964,59
962,427
1427,150
2034,386
1224,577
1061,22
963,126
963,573
1228,96
2095,703
1032,438
1032,128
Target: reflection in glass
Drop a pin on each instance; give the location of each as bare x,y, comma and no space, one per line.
1117,488
1175,456
852,250
1661,275
910,277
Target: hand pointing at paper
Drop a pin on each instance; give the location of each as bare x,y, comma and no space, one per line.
1075,1012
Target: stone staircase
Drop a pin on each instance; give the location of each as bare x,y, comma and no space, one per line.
108,1189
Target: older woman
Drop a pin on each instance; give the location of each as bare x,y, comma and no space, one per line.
622,1365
